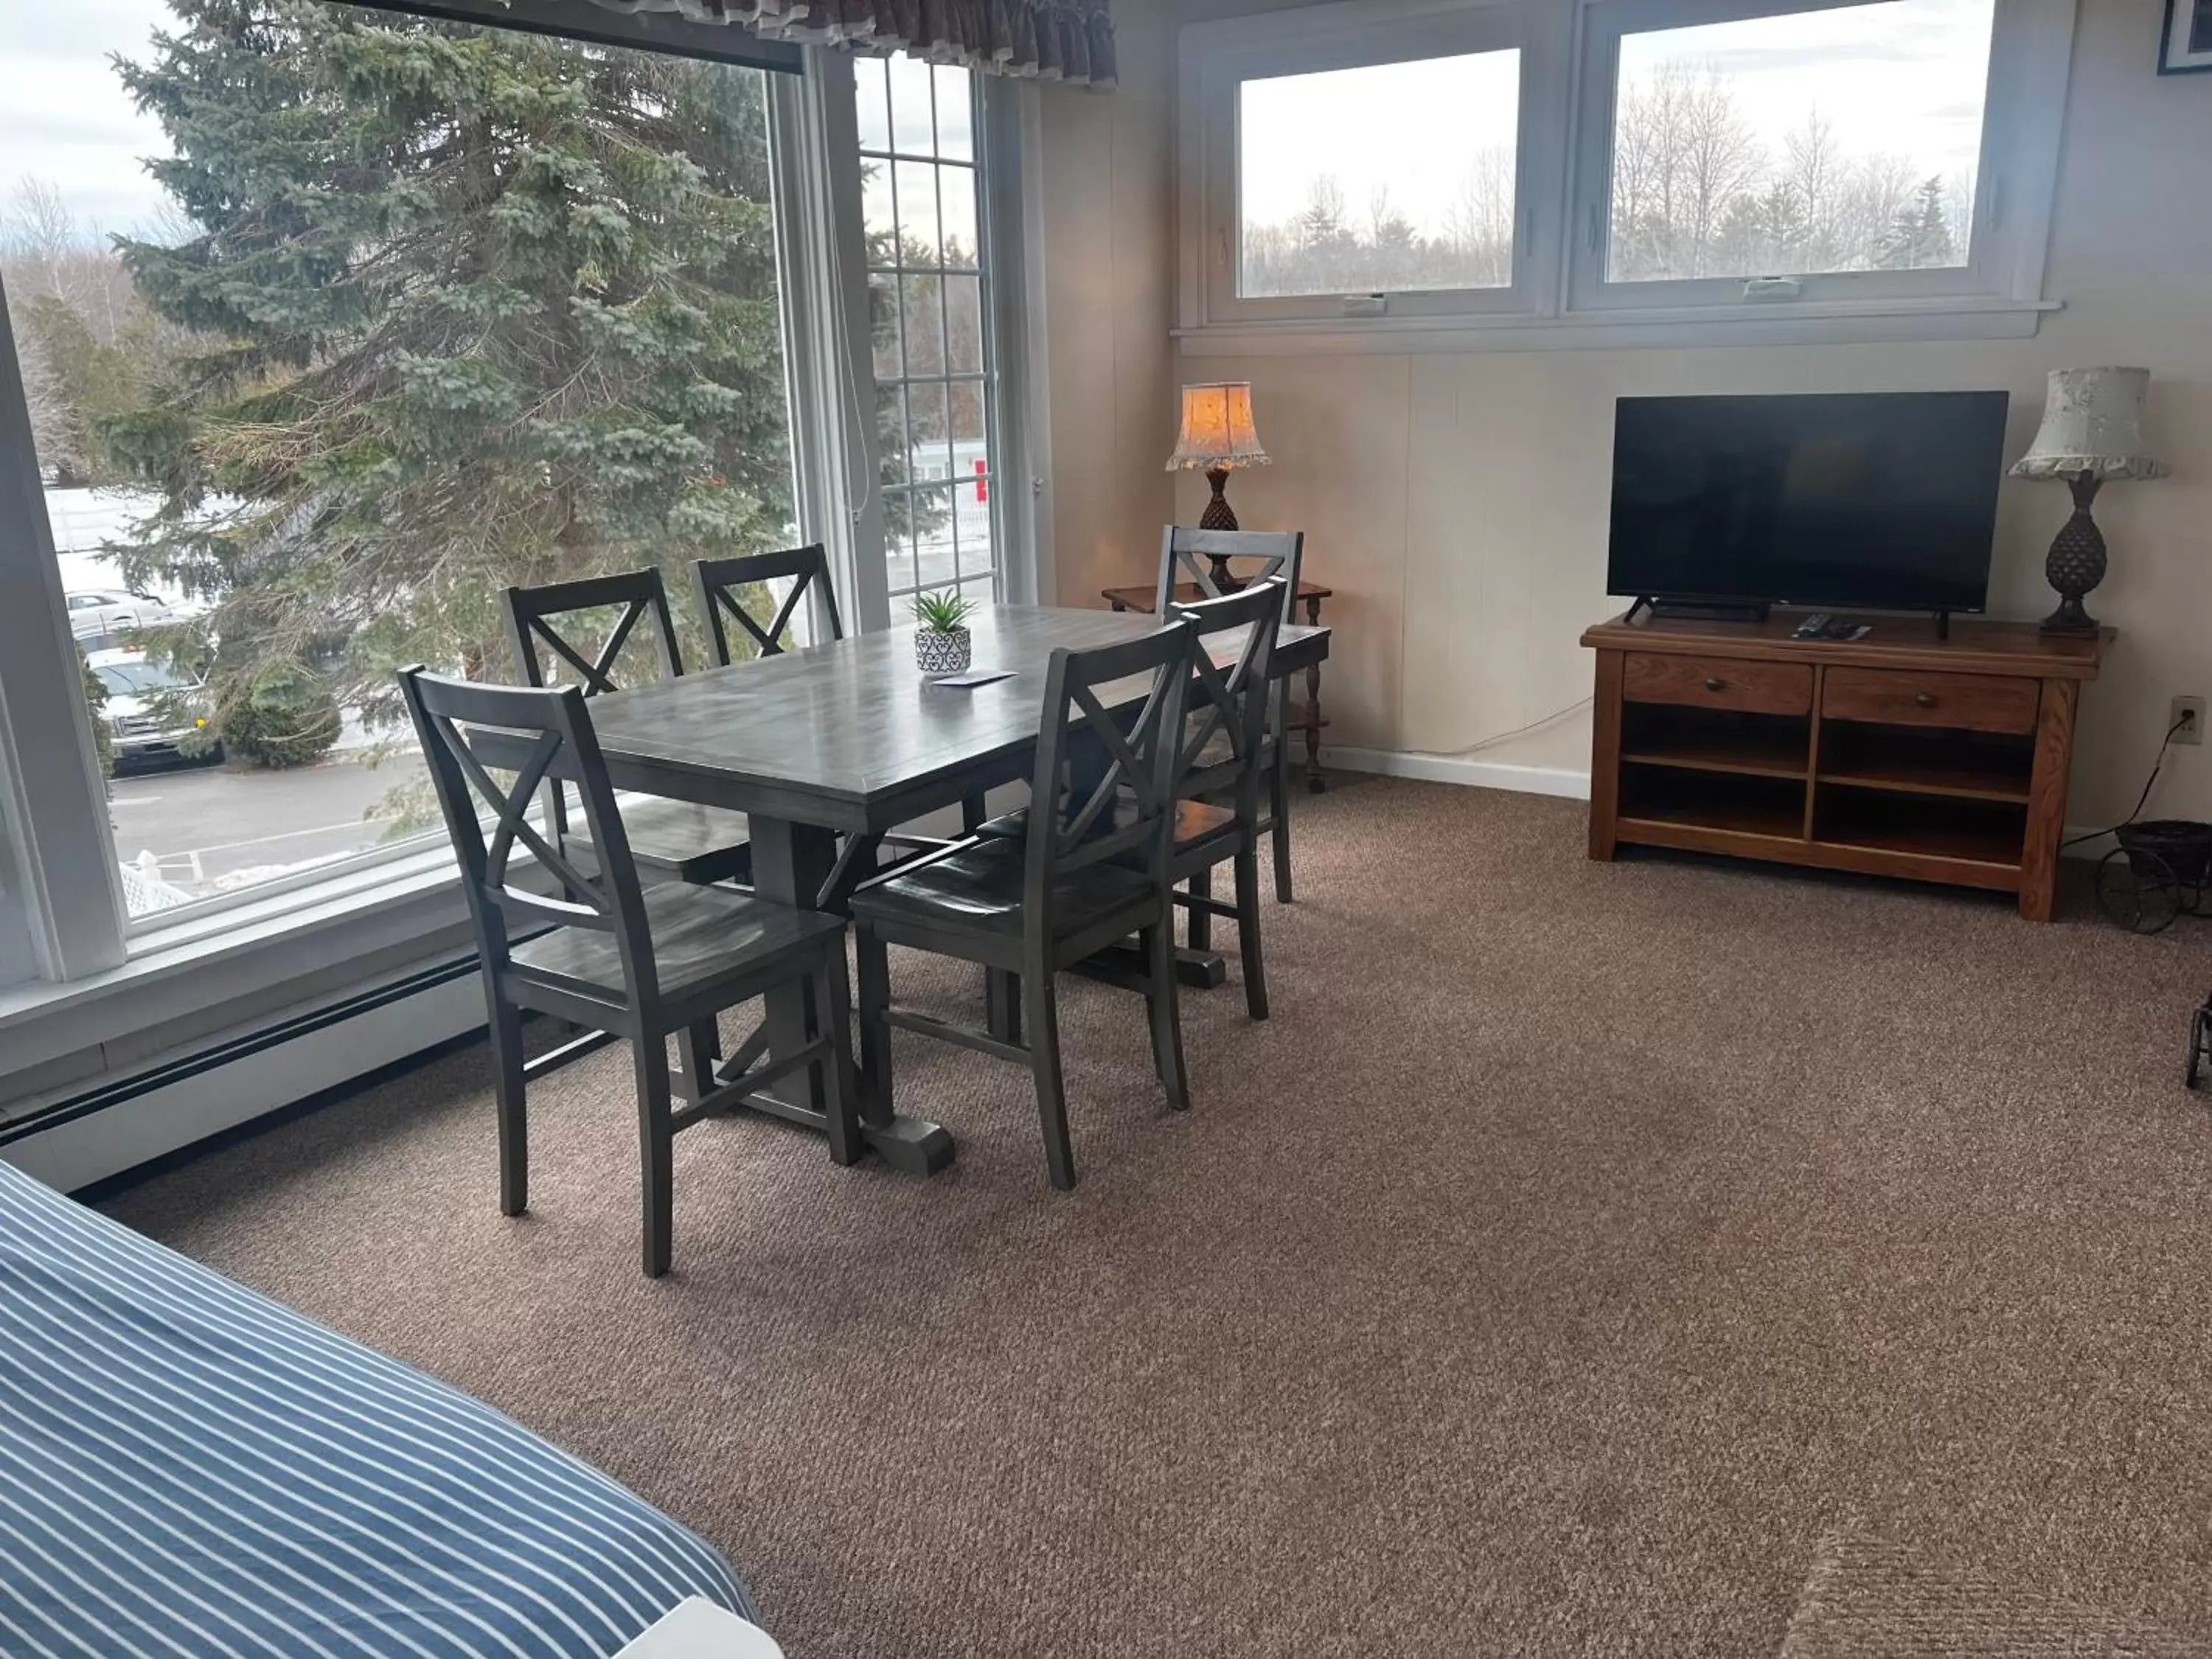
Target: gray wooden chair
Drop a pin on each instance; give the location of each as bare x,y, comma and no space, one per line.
716,585
1217,775
619,959
1036,906
1218,563
671,840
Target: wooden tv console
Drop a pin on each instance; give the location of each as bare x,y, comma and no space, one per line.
1901,754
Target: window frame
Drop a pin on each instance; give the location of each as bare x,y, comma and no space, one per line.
1992,266
1569,76
1219,59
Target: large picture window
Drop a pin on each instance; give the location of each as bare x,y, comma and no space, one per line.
333,323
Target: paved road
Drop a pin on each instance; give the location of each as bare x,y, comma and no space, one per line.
211,828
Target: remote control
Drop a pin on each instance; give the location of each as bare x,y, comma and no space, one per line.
1815,626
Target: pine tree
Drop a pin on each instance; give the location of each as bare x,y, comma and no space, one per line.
488,307
1920,234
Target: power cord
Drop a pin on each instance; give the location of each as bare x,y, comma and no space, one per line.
2142,800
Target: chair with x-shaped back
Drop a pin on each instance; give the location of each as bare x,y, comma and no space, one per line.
718,585
597,948
1207,564
1037,905
670,838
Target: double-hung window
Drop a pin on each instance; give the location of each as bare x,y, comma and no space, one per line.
1554,169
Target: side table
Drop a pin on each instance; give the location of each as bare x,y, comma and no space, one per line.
1307,718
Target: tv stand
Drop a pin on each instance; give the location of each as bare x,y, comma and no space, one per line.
1930,750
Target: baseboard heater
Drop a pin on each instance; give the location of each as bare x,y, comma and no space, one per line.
134,1125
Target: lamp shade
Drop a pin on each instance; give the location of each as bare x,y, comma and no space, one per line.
1217,429
2092,423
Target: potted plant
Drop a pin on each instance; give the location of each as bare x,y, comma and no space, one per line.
942,644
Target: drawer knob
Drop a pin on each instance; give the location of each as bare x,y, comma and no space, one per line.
1926,700
1715,682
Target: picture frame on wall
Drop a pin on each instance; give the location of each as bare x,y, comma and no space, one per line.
2186,48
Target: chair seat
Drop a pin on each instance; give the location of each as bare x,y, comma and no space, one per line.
979,889
676,838
1194,821
702,936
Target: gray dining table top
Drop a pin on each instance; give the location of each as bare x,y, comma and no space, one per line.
848,734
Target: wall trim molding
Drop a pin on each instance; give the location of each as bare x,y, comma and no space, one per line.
1468,770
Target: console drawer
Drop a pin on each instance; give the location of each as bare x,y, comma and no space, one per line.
1759,688
1897,697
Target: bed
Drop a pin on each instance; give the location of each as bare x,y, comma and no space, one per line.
187,1468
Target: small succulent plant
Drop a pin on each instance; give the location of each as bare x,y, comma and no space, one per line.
942,613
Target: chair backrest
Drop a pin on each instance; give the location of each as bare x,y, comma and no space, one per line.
715,584
533,615
1232,701
1201,557
547,730
1127,800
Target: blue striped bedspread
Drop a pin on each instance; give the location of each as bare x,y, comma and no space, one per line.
187,1468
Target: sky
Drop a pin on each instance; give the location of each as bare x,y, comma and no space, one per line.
1905,76
63,116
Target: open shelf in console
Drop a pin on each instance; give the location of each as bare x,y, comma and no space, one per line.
1921,826
1730,803
1966,765
1715,740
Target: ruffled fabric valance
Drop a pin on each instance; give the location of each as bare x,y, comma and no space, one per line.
1056,39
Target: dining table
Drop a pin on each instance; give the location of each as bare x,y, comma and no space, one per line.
828,748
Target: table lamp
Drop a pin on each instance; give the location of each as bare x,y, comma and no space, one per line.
2091,431
1218,434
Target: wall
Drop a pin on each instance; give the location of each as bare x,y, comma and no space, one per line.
1457,502
1109,208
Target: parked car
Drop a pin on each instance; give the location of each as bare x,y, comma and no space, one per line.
151,708
98,612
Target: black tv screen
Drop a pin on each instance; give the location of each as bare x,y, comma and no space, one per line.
1886,501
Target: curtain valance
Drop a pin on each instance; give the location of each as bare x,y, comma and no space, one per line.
1058,39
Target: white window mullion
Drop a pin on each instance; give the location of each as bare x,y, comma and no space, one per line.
63,899
826,316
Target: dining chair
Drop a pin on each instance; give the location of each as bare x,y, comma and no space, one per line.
1035,907
1218,771
602,950
1218,563
670,838
716,585
1217,775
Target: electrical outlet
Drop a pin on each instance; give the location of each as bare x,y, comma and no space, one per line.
2187,713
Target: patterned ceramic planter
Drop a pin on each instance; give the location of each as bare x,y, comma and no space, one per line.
939,651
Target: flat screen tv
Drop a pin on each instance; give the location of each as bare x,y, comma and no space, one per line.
1880,501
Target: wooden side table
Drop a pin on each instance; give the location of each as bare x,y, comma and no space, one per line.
1308,718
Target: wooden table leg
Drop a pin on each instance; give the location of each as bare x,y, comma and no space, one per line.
1315,782
791,864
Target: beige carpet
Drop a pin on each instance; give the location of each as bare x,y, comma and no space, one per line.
1576,1247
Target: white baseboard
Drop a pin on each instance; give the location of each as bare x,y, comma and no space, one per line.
1466,770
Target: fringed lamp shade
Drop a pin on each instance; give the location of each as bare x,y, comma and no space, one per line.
2092,433
2092,423
1217,429
1217,435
